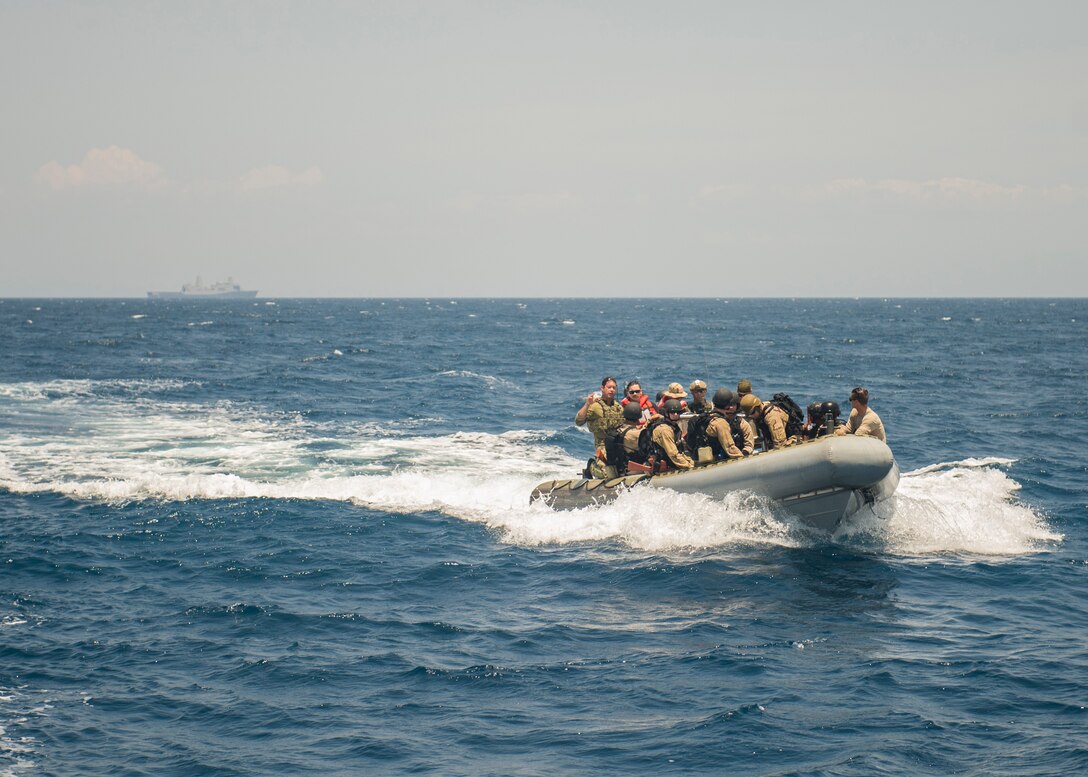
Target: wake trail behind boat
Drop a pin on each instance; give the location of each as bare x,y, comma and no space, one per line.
116,441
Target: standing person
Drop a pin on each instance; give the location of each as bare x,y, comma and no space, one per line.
730,437
665,435
634,393
699,402
769,420
603,414
863,421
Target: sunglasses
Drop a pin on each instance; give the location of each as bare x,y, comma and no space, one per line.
635,391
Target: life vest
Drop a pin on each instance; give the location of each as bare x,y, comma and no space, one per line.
649,410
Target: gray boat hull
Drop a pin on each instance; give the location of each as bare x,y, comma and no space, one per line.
243,294
823,482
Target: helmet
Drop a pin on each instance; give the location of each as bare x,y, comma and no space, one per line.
672,406
750,404
830,407
815,409
744,386
632,411
723,397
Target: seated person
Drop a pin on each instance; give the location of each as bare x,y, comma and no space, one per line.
699,403
634,393
863,421
665,439
674,391
817,423
730,436
769,420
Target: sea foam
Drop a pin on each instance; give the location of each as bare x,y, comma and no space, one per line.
117,443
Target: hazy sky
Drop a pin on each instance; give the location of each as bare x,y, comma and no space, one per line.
546,148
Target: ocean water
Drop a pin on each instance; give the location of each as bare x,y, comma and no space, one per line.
276,537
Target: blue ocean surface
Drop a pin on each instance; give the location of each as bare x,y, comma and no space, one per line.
275,537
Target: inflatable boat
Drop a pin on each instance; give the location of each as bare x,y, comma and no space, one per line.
823,481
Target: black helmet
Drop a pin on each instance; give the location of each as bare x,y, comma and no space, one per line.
672,406
723,398
815,409
632,411
830,407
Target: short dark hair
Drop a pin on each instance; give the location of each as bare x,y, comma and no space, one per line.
632,383
861,395
606,379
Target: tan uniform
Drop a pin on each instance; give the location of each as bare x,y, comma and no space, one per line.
868,425
775,418
706,407
719,429
630,440
602,419
663,436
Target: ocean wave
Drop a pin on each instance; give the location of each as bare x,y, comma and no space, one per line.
18,752
960,508
490,380
33,391
132,447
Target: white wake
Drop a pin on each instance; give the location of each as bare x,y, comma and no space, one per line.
119,441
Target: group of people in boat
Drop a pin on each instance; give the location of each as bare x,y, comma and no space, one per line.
634,433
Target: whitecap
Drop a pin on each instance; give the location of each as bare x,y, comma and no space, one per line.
957,508
119,442
491,381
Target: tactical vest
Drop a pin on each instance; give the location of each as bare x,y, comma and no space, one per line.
647,448
697,436
764,430
615,451
611,417
735,431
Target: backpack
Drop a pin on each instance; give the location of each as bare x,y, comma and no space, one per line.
614,450
796,421
647,448
697,437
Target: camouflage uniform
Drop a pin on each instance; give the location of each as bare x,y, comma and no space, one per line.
664,435
602,419
705,407
699,406
719,428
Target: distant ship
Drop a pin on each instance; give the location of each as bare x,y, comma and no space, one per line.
227,289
